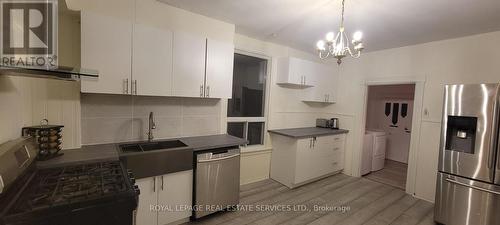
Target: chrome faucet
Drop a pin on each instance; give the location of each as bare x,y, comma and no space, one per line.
152,126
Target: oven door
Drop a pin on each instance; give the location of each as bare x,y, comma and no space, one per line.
461,201
469,131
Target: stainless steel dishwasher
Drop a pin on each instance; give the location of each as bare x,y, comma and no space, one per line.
217,181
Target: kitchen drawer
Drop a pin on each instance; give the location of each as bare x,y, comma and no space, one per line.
339,138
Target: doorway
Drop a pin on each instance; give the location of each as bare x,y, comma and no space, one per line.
386,143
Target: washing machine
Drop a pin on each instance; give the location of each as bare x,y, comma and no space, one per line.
379,146
367,155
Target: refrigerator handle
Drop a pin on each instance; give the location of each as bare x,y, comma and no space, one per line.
473,187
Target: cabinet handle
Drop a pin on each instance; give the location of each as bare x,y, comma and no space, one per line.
305,80
126,86
314,141
328,98
162,183
154,184
201,90
336,149
310,143
208,92
135,87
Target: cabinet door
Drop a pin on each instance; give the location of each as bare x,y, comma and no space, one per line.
149,196
175,192
305,164
106,46
331,75
323,81
323,153
188,65
219,77
152,61
291,71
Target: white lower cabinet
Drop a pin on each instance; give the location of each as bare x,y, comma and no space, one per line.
296,162
165,199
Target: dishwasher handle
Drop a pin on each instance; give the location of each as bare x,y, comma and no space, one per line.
218,159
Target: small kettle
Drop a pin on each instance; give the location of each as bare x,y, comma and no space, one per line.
334,123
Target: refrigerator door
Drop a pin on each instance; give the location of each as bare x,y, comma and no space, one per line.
461,201
469,131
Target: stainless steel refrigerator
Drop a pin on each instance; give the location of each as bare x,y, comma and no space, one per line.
468,181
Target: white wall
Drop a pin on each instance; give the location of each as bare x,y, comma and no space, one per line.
284,107
471,59
26,101
119,118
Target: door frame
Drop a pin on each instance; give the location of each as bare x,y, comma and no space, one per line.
416,124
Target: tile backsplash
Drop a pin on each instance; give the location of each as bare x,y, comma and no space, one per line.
117,118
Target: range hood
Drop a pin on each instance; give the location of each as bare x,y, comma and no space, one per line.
59,72
65,47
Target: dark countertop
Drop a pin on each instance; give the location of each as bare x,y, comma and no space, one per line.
107,152
307,132
201,143
85,154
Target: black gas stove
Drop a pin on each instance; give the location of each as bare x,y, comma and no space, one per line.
91,193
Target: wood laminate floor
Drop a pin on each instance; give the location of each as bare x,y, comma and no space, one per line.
357,201
393,173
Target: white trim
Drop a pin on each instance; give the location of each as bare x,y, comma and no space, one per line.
415,131
267,93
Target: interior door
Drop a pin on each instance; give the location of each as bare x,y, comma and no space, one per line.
148,196
397,125
106,47
188,65
219,77
152,61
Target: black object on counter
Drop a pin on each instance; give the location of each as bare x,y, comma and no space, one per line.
48,137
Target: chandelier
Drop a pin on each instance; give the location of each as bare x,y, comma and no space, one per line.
338,46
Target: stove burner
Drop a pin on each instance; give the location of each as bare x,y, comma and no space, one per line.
58,186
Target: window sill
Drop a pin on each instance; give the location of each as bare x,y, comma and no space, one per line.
255,148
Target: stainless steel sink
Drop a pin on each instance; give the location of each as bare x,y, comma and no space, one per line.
152,146
148,159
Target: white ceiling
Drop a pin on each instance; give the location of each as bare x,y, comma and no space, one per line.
385,23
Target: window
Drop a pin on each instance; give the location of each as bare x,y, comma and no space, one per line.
245,110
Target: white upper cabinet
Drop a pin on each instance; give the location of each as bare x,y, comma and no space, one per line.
219,75
106,46
295,72
136,54
188,65
324,90
152,61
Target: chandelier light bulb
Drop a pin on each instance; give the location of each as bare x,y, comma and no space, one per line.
330,37
357,36
320,45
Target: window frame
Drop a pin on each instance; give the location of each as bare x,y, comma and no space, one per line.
264,118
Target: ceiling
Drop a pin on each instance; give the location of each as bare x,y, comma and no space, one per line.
385,23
